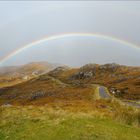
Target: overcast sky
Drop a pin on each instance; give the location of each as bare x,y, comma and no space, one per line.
23,22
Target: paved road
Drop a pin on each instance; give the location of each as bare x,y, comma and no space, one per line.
103,93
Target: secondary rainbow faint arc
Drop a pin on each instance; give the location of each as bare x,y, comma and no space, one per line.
65,35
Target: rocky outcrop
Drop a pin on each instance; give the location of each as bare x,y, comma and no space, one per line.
37,94
83,75
58,71
109,67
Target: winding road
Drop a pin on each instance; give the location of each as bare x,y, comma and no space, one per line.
104,94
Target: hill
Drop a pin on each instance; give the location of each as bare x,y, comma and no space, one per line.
122,81
12,75
64,83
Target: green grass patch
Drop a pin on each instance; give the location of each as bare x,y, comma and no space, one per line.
39,123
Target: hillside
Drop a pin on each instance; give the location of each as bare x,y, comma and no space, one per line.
64,83
121,81
45,90
12,75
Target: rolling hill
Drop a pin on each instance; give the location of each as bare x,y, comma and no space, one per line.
12,75
69,84
121,81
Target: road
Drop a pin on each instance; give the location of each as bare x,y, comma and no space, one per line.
103,93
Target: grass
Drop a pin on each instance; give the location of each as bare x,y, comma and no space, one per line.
126,114
42,123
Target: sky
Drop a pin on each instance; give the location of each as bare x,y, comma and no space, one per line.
23,22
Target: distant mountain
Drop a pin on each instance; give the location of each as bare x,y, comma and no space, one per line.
64,83
15,74
38,67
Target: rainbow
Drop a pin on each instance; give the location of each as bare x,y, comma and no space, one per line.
66,35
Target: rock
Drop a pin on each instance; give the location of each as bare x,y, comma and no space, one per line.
83,75
89,67
36,95
109,67
58,70
86,72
